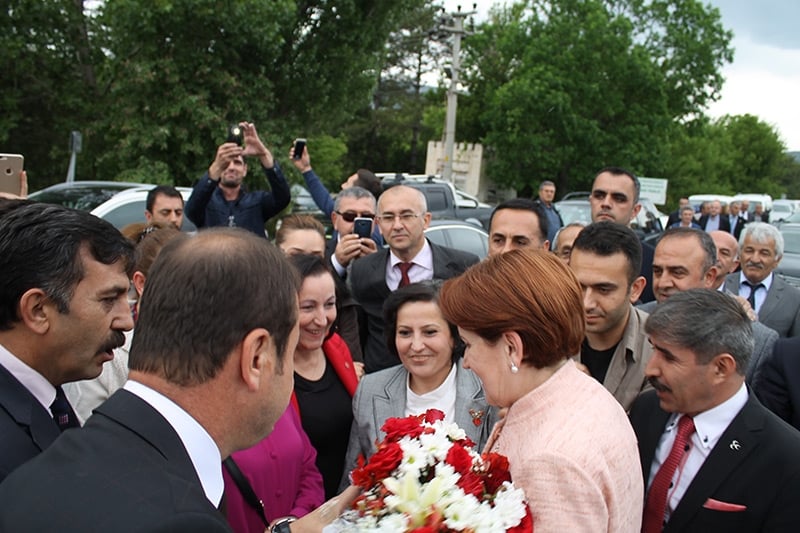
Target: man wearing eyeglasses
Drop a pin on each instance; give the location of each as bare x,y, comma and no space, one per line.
345,245
615,197
402,218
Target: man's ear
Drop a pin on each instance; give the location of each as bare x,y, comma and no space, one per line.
138,282
257,358
711,276
637,287
723,366
34,310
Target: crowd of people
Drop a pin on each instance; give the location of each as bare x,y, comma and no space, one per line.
632,387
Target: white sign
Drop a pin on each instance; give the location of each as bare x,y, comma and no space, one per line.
654,189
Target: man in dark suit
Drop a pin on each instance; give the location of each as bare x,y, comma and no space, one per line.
675,216
210,373
776,303
686,259
735,219
615,197
63,309
778,383
713,458
715,220
403,216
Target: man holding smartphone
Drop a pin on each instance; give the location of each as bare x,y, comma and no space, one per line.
220,199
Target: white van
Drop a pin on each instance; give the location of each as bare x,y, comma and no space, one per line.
696,200
764,199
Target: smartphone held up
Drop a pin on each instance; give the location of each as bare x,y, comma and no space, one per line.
11,166
299,147
362,227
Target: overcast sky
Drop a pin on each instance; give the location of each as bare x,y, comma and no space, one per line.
764,78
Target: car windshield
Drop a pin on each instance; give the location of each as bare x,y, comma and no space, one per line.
577,212
83,198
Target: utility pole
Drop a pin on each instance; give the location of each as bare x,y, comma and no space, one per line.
75,145
454,23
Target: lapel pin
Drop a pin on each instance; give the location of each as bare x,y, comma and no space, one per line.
477,416
735,445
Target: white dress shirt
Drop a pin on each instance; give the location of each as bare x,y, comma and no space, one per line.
761,294
37,384
709,427
442,398
421,271
199,445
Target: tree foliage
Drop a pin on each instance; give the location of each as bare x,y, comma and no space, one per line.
561,88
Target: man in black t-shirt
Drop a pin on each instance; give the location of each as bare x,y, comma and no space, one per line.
607,258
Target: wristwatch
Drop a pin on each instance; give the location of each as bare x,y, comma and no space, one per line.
282,525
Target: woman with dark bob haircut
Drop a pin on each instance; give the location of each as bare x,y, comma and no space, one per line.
430,377
569,443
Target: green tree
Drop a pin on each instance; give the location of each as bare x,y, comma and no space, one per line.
558,89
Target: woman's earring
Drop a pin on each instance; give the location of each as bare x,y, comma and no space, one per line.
514,368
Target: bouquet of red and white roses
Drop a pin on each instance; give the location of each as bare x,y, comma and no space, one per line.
426,477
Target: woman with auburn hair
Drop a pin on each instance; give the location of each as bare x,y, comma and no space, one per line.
569,443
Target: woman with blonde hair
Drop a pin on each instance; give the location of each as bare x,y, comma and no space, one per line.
569,443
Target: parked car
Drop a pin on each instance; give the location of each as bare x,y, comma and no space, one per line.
789,267
120,203
764,199
460,235
696,200
782,209
444,200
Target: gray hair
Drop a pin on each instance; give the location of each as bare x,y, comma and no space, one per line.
707,322
576,224
761,232
705,240
420,195
353,192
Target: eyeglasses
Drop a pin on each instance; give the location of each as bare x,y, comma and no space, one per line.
405,218
350,216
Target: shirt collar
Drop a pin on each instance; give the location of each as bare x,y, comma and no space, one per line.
424,257
767,282
37,384
710,425
200,447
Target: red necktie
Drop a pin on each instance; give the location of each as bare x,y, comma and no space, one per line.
404,268
656,503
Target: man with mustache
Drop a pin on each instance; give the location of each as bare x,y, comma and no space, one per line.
776,303
713,458
63,309
606,258
686,258
615,197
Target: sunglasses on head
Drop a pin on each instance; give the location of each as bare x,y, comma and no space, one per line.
349,216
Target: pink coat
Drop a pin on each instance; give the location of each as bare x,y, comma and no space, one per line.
573,451
282,471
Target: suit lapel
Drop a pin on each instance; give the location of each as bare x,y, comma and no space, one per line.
27,411
653,427
392,402
772,302
739,440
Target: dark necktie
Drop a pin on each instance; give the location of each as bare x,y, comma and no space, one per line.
404,268
62,411
752,298
656,503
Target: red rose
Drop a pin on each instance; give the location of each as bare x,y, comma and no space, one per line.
459,458
380,465
471,483
397,428
433,415
526,526
495,471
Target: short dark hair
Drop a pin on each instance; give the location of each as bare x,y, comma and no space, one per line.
309,265
705,240
204,294
369,181
525,204
424,291
608,238
619,171
296,222
707,322
40,247
164,190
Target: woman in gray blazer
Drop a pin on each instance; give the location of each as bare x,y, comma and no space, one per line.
430,376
